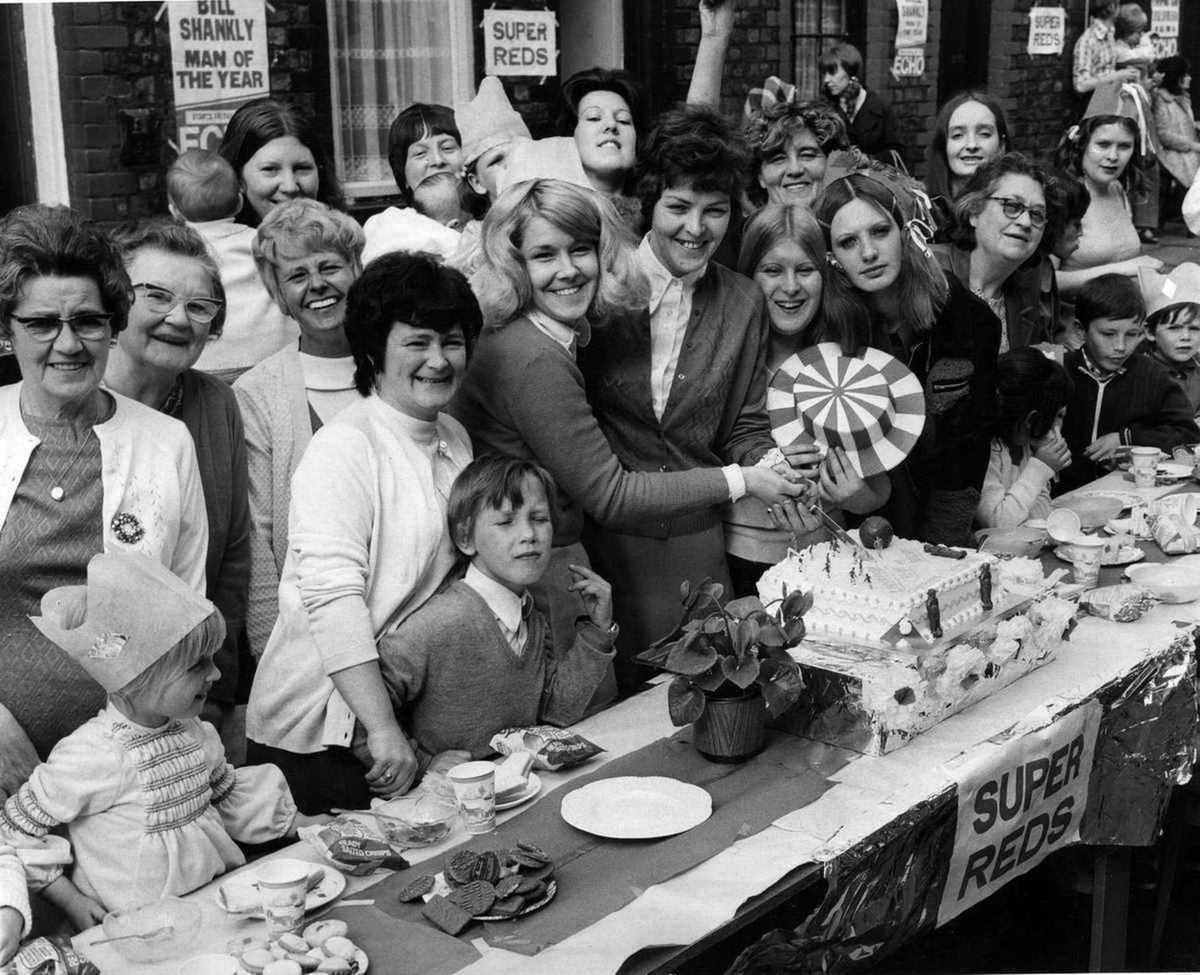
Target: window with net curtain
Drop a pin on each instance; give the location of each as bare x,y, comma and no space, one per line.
817,24
385,55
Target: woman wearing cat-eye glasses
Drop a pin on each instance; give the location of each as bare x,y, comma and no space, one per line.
82,469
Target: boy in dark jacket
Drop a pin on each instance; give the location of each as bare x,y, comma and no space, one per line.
1119,399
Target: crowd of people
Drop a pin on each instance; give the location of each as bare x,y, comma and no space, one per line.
394,487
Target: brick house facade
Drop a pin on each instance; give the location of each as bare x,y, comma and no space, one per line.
114,74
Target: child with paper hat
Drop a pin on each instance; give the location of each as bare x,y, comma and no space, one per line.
151,806
489,127
1173,325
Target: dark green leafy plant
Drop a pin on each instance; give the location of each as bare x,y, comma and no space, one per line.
722,649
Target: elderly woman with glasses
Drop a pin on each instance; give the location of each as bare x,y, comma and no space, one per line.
82,469
178,307
997,254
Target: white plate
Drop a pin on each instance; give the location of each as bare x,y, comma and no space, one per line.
1173,472
533,785
633,807
331,886
1126,555
1127,498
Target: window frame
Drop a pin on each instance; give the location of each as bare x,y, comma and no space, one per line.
462,46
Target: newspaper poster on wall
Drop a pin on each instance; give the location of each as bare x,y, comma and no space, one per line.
218,63
520,42
909,63
1017,803
913,23
1047,30
1164,26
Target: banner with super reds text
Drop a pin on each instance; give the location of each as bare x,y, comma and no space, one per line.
1017,803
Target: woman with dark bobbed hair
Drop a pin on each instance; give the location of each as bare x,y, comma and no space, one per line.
178,307
278,154
82,469
1000,220
368,539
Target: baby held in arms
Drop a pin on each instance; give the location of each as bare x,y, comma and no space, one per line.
478,657
151,806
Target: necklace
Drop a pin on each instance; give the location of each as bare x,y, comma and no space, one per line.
57,491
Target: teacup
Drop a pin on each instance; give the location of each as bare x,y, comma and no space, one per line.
1144,461
1086,553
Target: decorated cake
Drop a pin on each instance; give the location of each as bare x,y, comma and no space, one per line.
906,593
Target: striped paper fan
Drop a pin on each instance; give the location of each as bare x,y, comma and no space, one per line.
870,405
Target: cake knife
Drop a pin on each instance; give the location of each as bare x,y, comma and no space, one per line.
865,553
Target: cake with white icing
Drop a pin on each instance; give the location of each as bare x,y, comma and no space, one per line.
896,594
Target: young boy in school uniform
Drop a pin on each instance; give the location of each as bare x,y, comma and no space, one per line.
477,657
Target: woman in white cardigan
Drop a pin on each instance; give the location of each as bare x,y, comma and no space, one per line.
368,541
308,255
82,469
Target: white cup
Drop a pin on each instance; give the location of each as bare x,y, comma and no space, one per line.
1086,553
475,792
283,885
1144,461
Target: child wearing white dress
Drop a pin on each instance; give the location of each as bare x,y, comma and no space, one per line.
150,804
1028,449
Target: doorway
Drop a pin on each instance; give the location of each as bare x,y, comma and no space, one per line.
963,51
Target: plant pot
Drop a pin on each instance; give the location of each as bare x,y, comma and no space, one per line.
731,728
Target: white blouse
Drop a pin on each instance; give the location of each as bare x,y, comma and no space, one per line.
150,812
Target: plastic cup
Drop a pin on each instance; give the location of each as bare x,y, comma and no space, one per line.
1144,461
1086,553
283,885
1063,525
475,792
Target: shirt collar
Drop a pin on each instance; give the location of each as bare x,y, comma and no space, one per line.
566,336
505,604
1093,370
660,278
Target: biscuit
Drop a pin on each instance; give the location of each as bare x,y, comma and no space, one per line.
317,933
509,906
337,966
283,966
293,943
460,866
474,898
415,889
449,917
341,947
507,886
256,959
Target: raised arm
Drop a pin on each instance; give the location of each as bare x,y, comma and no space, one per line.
716,31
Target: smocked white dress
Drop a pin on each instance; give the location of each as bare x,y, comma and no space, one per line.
151,812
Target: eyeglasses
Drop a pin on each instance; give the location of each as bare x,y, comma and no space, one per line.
1014,208
160,301
46,328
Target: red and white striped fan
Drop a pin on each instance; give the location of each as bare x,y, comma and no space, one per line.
869,405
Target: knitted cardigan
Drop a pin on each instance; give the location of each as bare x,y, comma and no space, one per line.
524,396
455,681
716,411
278,428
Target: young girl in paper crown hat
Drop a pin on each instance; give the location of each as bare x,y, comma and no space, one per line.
151,806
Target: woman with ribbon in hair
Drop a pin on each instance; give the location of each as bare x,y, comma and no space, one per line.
1103,152
888,292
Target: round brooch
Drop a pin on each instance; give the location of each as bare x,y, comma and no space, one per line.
127,528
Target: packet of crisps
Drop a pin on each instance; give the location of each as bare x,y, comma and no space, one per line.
50,956
552,748
1122,603
351,846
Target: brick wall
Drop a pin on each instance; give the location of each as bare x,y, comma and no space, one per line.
117,98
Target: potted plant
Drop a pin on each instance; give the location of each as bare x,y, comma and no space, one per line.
732,667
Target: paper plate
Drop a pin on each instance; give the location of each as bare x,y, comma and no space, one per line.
242,886
870,406
1169,472
537,905
533,786
636,807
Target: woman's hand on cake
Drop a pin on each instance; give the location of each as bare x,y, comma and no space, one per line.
793,517
394,764
1052,450
771,488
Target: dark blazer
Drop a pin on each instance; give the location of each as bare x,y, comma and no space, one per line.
875,129
716,412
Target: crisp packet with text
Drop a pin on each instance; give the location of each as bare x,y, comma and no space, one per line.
552,748
50,956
